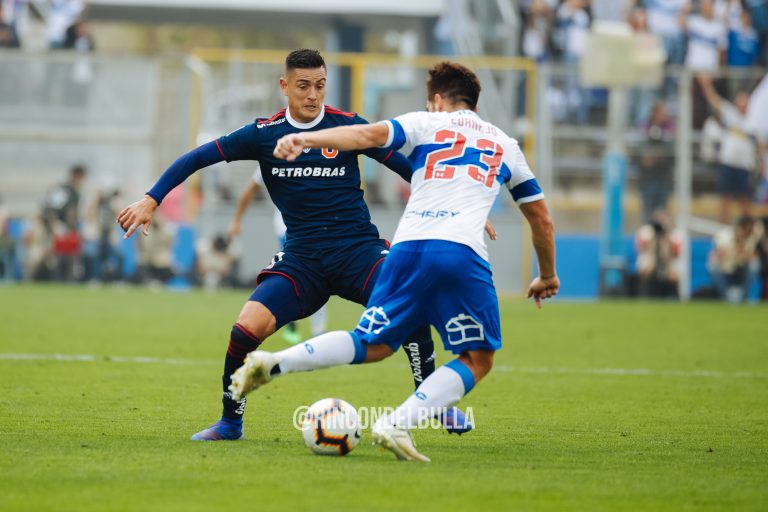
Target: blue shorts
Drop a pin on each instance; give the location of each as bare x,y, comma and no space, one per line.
735,182
443,283
298,282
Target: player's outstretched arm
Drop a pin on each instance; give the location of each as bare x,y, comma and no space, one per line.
139,214
546,284
344,138
242,205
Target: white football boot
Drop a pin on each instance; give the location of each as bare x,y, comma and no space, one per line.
255,372
397,440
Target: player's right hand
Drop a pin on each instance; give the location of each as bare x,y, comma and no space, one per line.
289,147
234,230
543,288
138,214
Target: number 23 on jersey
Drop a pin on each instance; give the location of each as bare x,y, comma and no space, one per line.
490,154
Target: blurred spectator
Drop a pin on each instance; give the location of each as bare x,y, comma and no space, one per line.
155,260
62,14
61,217
642,99
743,42
78,37
39,262
762,254
109,260
656,163
7,245
733,262
573,24
8,36
658,251
664,21
538,21
216,263
611,10
707,38
738,152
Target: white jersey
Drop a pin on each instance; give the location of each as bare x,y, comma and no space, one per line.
459,163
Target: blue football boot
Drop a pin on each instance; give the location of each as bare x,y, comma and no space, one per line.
223,430
455,422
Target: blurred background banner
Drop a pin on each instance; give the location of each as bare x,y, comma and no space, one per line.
122,88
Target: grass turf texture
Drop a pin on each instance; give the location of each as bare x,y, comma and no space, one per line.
551,433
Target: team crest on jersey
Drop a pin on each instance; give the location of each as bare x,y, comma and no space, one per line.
463,328
329,153
374,319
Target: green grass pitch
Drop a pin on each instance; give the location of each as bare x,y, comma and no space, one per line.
592,406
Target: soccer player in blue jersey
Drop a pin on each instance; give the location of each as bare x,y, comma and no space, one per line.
438,267
331,246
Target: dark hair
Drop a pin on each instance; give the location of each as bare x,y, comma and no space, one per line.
745,220
304,58
77,171
454,82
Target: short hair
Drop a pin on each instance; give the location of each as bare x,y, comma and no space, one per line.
745,220
77,171
304,58
454,82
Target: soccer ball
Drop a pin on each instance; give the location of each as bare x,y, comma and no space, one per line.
331,427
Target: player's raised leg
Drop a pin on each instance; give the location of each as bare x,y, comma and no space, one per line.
440,391
327,350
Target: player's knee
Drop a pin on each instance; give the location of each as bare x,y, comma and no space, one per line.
257,320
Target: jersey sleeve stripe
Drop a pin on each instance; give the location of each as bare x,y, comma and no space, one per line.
221,150
526,191
396,135
388,155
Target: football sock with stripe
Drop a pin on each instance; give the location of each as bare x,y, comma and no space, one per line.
240,343
420,350
440,391
329,349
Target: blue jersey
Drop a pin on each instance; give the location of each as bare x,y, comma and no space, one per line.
318,194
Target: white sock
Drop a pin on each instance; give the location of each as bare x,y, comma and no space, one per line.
318,320
329,349
440,391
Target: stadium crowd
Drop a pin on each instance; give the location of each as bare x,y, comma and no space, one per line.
702,35
74,240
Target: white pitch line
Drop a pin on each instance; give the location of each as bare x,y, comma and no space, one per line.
90,358
641,372
544,370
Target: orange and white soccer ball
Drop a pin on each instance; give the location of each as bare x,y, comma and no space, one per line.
331,426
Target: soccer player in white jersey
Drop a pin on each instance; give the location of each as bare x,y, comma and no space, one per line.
437,269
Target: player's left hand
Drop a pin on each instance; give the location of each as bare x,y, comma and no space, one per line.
289,147
543,288
490,230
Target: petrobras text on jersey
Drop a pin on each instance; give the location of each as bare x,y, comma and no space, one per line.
307,172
